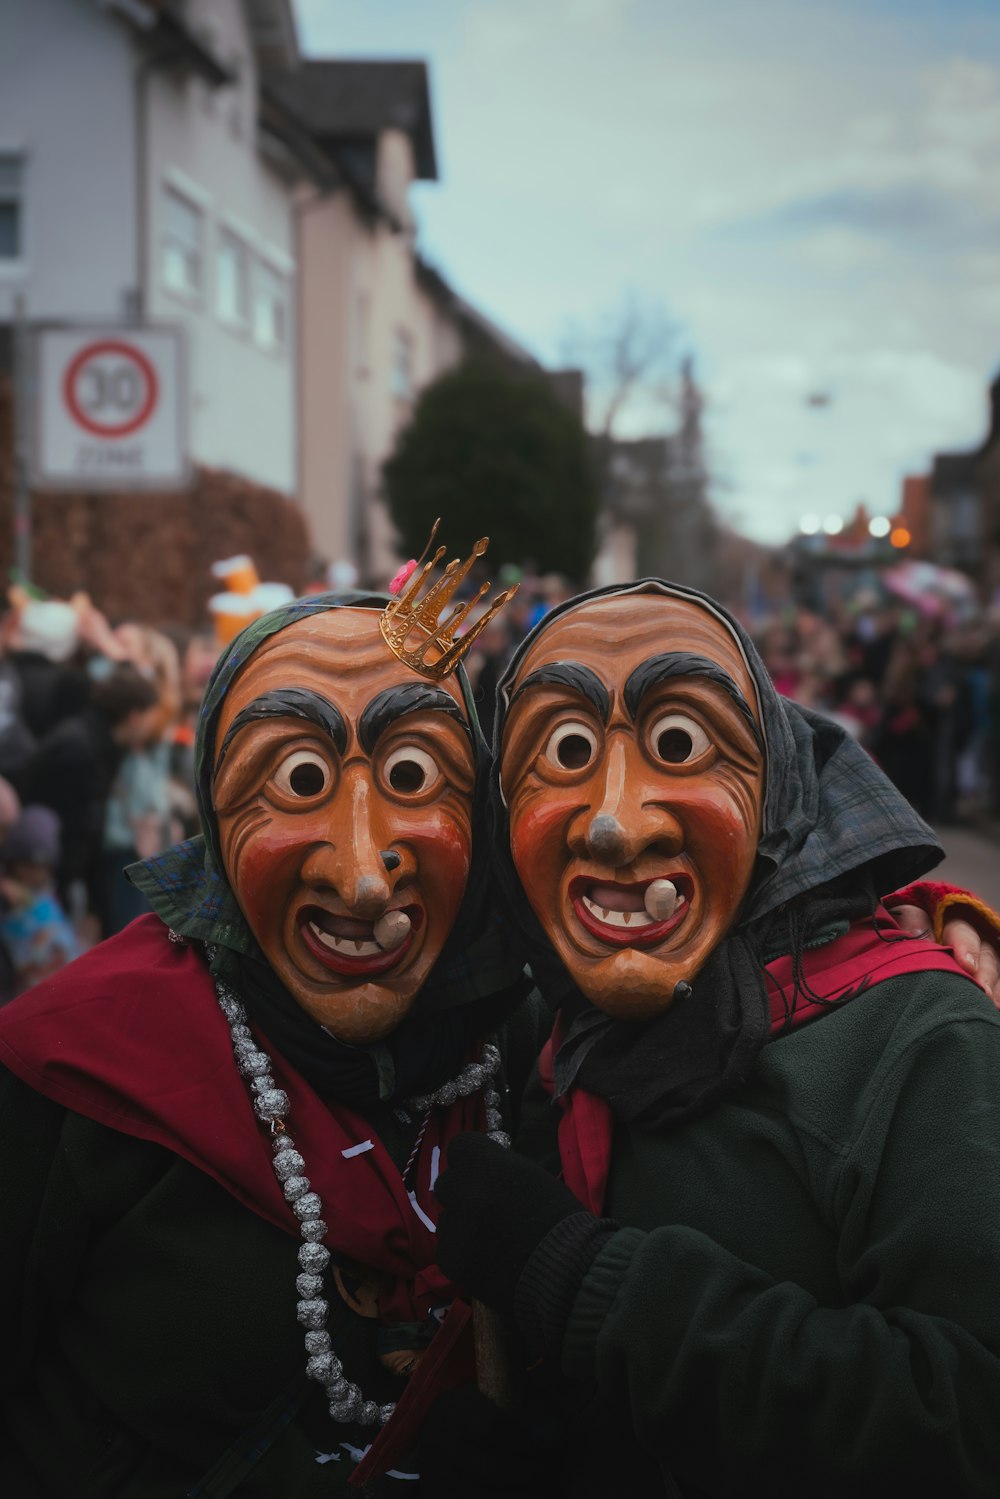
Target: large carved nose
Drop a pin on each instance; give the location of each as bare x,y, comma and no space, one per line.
350,861
608,839
622,821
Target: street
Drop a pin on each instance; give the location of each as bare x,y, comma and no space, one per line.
972,859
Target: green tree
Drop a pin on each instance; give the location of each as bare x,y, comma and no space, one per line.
495,453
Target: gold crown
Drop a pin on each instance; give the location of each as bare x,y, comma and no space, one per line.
403,615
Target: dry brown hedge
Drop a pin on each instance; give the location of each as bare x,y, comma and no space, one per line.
148,556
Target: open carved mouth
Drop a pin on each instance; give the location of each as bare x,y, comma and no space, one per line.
347,945
618,914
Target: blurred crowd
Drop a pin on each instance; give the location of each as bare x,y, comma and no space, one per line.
96,771
97,724
920,691
918,687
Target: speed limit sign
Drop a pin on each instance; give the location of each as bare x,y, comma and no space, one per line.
111,408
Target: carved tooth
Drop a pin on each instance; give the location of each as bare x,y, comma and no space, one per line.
661,899
392,929
346,946
628,917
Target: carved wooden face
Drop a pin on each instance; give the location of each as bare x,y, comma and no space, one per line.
633,772
343,791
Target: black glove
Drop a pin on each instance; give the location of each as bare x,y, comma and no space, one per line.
497,1209
471,1449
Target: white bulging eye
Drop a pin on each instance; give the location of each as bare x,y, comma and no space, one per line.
304,774
675,739
409,770
572,746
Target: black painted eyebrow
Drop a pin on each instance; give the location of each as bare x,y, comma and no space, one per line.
575,676
289,702
394,702
661,668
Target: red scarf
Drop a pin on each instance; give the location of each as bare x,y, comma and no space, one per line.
857,960
131,1036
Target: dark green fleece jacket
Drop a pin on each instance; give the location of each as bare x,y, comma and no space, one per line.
804,1297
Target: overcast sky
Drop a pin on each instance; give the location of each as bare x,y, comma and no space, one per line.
811,189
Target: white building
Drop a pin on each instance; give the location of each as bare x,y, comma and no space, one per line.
138,181
178,161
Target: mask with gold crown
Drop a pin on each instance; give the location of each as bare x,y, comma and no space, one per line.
338,759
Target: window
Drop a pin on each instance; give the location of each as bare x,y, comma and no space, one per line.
182,231
965,513
270,308
232,279
11,206
401,366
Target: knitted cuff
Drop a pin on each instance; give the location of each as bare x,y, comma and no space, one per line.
589,1313
976,912
550,1281
943,902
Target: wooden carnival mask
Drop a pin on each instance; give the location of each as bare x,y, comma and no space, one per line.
343,791
633,770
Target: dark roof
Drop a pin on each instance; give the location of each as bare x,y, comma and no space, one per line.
272,26
284,132
161,24
993,436
478,328
636,474
352,101
953,472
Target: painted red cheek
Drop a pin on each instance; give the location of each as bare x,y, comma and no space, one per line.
720,845
265,863
537,834
444,855
716,816
712,814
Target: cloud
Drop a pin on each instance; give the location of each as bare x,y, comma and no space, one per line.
924,175
595,12
503,28
917,210
965,106
888,413
811,189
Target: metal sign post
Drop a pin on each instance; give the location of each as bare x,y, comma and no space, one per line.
22,491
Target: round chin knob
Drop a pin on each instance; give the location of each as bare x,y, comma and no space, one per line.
660,899
391,929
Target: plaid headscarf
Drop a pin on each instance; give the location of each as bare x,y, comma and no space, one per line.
187,887
830,817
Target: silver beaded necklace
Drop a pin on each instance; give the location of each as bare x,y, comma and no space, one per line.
271,1105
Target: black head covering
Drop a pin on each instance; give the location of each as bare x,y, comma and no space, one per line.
477,980
834,828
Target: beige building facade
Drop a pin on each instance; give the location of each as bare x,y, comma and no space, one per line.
376,323
370,338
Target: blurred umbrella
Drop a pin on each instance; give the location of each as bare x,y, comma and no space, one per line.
934,591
